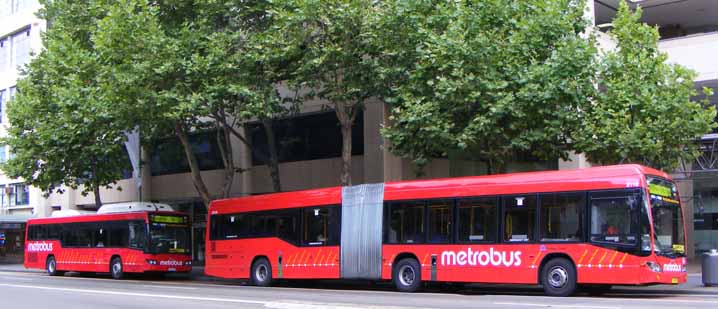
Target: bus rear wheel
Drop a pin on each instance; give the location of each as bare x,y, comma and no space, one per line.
116,268
407,275
558,277
51,267
261,273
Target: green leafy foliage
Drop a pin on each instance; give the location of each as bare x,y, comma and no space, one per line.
643,112
486,77
63,130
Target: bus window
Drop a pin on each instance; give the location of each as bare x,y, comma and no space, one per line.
440,221
321,226
477,220
519,218
138,235
77,235
406,224
561,216
100,239
117,234
614,217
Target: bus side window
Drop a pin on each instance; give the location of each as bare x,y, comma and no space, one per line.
562,216
405,223
519,218
477,220
321,226
614,216
138,234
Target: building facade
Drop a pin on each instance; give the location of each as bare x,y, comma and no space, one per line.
310,143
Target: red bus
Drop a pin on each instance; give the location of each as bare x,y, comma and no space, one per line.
583,229
118,243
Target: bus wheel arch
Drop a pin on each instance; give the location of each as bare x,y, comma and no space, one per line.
406,272
51,266
116,268
260,271
563,269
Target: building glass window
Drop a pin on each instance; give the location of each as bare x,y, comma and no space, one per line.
307,137
477,220
561,216
168,156
3,154
21,48
4,94
519,218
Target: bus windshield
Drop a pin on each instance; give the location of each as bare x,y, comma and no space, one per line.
667,218
169,234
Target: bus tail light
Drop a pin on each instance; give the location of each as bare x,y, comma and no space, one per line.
152,262
654,267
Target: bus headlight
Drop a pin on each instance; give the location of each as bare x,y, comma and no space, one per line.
654,267
187,263
152,262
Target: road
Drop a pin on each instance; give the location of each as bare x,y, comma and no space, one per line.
37,290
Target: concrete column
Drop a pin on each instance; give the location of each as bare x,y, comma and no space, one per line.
590,12
575,161
242,155
685,190
39,203
373,143
70,202
393,165
146,174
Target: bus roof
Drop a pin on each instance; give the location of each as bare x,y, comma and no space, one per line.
594,178
135,215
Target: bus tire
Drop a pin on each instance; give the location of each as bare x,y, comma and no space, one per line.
261,274
51,267
116,268
407,275
558,277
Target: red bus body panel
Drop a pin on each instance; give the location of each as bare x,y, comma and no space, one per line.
489,263
98,259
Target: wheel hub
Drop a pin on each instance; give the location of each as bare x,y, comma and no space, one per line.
407,275
557,277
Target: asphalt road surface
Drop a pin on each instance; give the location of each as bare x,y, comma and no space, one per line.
37,290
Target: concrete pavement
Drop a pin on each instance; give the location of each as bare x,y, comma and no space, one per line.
20,289
693,286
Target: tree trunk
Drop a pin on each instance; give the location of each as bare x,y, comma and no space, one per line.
193,165
273,163
225,149
96,187
346,115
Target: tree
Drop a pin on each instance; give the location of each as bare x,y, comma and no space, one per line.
643,112
185,67
62,130
337,61
486,77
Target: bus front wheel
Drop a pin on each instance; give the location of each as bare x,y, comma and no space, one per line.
407,275
558,277
261,273
51,267
116,268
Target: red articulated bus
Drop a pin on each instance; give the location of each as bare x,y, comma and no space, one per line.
115,242
573,230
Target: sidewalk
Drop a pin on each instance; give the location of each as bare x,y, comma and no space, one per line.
693,286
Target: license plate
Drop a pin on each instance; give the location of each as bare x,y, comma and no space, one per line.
175,269
674,280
